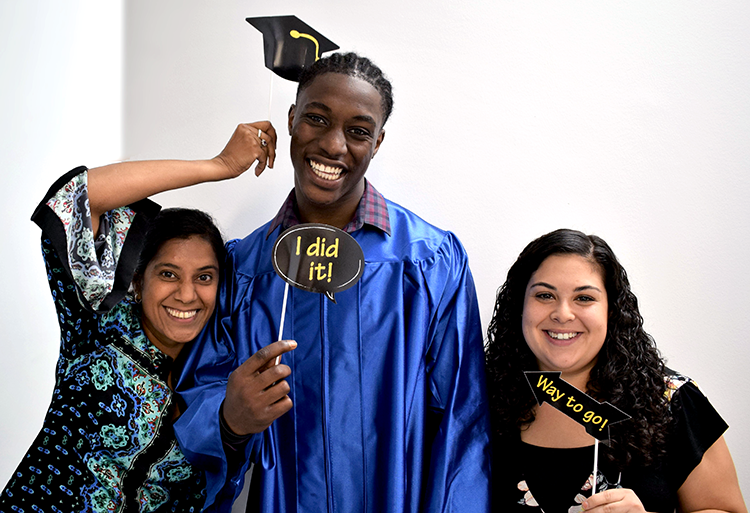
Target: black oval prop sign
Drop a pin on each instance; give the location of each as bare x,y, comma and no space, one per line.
318,258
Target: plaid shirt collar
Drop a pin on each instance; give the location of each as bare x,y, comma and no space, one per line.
371,210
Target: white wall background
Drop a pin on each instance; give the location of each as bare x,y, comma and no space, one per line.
630,120
61,93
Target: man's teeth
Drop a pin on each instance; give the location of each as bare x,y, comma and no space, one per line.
325,172
180,314
561,336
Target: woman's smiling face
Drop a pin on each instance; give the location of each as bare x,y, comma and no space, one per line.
179,289
336,128
565,314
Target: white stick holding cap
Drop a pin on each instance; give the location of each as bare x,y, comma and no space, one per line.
270,96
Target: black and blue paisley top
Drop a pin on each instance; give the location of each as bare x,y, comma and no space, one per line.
107,443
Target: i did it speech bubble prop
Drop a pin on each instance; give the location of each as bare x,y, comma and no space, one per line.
318,258
596,417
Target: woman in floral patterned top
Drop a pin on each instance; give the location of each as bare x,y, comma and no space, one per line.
107,442
567,306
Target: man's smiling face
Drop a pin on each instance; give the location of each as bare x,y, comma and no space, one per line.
336,128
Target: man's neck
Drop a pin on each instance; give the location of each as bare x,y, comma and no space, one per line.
337,215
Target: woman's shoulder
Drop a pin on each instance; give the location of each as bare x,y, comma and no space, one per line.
674,381
678,382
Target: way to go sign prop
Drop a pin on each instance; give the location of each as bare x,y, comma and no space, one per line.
318,258
596,417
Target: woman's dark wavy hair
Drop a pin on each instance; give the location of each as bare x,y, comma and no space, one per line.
629,371
355,66
179,223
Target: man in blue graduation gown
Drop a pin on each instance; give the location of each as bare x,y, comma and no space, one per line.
389,405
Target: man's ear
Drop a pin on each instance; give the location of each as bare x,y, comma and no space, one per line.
291,118
379,140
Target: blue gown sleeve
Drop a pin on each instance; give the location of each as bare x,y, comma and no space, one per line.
459,467
203,385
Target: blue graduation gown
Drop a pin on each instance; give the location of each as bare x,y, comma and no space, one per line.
390,409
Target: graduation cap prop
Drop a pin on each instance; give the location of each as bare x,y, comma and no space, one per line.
290,45
594,416
317,258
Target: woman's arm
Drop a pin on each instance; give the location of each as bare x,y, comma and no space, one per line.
713,484
120,184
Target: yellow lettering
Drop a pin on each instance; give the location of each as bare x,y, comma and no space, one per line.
333,249
314,248
543,383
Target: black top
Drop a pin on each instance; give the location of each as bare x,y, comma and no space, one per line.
558,480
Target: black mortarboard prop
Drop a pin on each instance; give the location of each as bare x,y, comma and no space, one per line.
290,45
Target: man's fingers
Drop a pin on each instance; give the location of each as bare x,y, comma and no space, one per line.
280,407
276,391
267,354
268,377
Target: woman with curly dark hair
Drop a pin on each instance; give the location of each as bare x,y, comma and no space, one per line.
567,306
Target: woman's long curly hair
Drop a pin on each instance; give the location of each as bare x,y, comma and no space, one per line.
629,371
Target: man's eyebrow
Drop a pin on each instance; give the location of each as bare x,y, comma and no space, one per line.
366,119
321,106
362,117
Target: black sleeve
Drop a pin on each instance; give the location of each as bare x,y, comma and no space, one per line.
696,427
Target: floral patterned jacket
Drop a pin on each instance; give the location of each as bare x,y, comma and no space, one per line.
107,442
